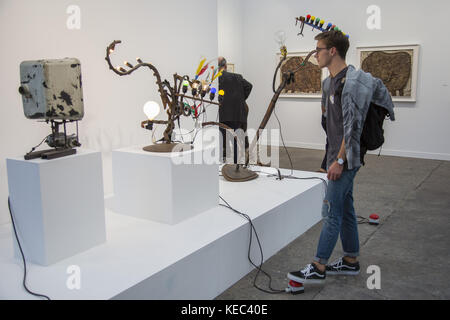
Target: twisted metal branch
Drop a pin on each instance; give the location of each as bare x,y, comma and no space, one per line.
163,94
285,78
170,95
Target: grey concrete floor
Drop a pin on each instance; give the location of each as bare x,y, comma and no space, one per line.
411,245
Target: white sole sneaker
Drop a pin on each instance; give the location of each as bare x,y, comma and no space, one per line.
303,280
344,273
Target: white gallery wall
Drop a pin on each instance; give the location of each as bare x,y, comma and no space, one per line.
230,29
421,129
172,35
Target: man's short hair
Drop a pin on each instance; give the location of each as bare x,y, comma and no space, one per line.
222,62
335,39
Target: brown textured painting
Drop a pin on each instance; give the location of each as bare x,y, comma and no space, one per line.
396,67
308,80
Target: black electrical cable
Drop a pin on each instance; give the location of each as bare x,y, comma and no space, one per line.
282,140
34,148
259,267
362,220
291,176
276,72
23,257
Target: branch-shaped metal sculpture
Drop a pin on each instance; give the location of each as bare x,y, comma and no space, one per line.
239,172
171,97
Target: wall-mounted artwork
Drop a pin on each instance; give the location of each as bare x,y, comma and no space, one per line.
396,66
308,80
230,67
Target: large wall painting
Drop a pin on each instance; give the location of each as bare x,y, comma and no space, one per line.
308,79
396,66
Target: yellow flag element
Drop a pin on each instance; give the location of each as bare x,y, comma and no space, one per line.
200,65
217,75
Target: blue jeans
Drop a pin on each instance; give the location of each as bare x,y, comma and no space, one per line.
339,218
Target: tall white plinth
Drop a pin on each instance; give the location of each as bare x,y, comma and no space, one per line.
164,187
57,205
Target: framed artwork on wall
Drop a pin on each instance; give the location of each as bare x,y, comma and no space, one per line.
396,66
308,79
230,67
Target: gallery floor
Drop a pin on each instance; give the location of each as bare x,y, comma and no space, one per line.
411,246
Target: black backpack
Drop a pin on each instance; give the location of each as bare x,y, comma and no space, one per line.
372,136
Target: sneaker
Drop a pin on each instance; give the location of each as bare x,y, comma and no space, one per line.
341,266
310,274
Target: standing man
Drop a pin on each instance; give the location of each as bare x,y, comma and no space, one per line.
349,93
234,110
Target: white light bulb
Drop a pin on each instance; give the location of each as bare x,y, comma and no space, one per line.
280,37
151,109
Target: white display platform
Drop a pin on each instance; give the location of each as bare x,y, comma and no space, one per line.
163,187
198,258
58,205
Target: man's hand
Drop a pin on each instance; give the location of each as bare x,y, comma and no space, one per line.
335,171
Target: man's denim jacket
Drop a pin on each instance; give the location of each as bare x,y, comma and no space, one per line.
360,89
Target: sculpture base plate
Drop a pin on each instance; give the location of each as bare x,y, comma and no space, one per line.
168,147
238,173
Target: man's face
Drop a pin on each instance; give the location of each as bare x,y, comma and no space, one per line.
323,54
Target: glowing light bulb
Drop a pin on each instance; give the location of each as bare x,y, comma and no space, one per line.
151,109
112,47
221,92
194,88
119,68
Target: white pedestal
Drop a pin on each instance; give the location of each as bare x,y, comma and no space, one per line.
58,205
197,258
156,186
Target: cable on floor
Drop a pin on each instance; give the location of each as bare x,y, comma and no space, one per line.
23,257
259,267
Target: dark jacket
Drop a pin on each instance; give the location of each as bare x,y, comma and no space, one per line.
237,90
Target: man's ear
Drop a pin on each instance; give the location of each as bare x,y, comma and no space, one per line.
333,51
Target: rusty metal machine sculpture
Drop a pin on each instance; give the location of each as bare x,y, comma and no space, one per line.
52,91
173,99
